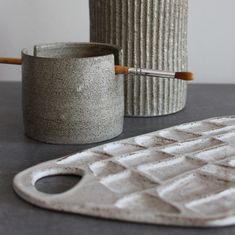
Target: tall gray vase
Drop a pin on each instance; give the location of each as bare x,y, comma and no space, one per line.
153,34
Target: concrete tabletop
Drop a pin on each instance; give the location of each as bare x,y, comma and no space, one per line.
18,152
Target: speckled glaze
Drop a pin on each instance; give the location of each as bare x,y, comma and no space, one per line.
180,176
71,94
153,34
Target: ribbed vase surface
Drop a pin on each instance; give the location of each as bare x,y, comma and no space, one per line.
153,34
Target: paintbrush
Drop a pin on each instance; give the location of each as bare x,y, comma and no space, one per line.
186,76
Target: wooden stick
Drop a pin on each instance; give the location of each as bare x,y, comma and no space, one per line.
121,69
5,60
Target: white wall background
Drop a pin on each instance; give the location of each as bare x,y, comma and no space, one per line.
24,23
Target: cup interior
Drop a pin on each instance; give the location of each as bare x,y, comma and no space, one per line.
76,50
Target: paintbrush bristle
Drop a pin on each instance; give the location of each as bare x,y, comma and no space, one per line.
186,76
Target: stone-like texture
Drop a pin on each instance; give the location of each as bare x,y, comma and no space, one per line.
183,175
153,34
71,94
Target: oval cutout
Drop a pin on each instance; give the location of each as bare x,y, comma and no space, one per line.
57,183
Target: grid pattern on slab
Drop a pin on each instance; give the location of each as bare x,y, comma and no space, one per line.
186,171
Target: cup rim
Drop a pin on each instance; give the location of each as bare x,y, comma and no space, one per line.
116,50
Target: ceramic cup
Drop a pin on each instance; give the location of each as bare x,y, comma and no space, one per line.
71,94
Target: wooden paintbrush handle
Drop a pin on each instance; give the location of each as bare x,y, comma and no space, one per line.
5,60
121,69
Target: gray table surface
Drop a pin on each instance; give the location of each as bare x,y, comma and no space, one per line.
18,152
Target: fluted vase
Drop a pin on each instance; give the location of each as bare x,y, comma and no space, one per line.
153,34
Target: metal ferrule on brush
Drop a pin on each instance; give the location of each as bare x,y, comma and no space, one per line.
150,72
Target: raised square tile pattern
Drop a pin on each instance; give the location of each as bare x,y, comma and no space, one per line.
184,175
167,169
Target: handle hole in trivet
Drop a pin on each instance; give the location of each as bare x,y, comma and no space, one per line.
56,184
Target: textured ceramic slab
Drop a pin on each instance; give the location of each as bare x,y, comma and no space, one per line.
184,175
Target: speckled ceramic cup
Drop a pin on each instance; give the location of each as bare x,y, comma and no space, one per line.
71,94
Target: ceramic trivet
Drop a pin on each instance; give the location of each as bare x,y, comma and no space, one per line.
183,175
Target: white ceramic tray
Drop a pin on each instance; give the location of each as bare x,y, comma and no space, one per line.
184,175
